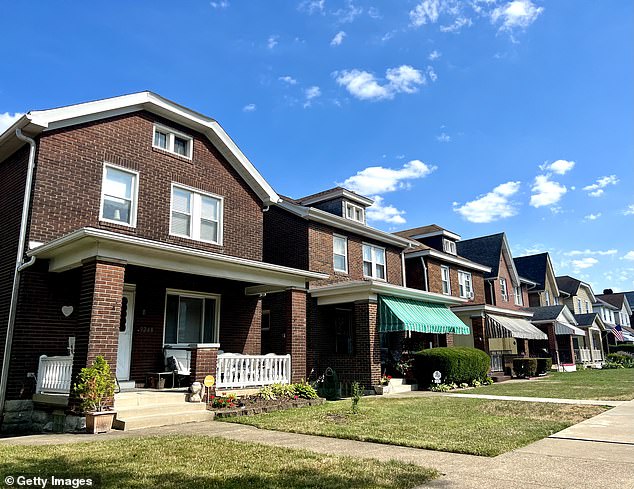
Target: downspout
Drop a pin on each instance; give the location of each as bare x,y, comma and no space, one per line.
403,269
20,265
425,277
492,293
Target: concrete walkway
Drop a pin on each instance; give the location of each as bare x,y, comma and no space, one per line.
594,454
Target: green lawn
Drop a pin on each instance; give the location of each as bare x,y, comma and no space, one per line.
616,384
205,462
475,426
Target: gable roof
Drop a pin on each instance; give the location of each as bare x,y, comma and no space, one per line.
335,193
533,267
630,298
38,121
425,231
488,251
607,305
586,319
546,313
571,285
617,300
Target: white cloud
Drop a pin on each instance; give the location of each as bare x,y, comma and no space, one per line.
432,74
596,189
385,213
312,6
288,79
311,93
584,263
347,14
559,167
546,192
591,252
249,108
365,86
379,180
629,255
457,25
516,14
443,138
219,4
387,36
627,212
6,120
492,206
434,55
425,12
593,217
272,41
338,39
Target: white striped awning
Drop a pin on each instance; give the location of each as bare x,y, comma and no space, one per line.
568,329
506,327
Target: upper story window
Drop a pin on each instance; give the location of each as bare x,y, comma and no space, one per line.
445,279
579,308
373,262
119,195
191,317
465,283
588,307
449,246
556,300
517,292
196,215
547,297
503,289
340,253
173,141
354,212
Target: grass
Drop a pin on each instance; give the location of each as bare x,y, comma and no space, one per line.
473,426
614,384
205,462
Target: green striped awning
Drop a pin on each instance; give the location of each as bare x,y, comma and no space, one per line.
399,314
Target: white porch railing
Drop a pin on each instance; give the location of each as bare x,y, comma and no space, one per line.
235,370
583,355
54,375
598,357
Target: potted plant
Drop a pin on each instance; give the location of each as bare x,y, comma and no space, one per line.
384,386
95,389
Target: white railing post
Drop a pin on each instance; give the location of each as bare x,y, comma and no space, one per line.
237,371
54,374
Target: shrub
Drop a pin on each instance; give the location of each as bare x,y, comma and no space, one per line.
622,358
525,367
611,365
95,386
544,365
304,390
289,391
224,402
357,392
456,364
623,348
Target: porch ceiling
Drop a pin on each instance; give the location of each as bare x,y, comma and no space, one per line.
69,251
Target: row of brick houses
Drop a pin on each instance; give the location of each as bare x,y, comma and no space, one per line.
134,228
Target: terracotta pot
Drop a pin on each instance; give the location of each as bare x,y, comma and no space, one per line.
99,422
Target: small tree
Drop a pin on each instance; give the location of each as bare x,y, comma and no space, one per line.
357,392
95,386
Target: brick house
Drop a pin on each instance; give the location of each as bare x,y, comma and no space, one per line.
500,323
622,313
142,238
365,302
434,265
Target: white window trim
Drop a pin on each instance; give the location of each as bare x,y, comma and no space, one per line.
195,295
461,275
374,262
588,307
547,297
449,246
195,214
517,296
345,240
135,196
170,141
347,204
504,291
442,279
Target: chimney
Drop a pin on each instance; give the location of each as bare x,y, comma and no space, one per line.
608,291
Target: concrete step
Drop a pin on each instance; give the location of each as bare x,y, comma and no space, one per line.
165,419
149,398
399,388
125,385
139,411
396,382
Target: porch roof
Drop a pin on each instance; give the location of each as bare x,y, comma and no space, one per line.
401,314
508,327
562,328
70,250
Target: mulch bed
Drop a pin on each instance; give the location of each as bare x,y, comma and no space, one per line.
249,406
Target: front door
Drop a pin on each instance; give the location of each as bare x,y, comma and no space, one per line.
124,351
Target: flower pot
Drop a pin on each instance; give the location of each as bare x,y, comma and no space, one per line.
99,422
381,389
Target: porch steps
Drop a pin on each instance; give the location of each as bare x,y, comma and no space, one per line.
398,386
148,409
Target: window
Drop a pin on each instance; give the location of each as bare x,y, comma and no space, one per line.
343,331
172,141
547,297
354,212
196,215
579,309
464,282
518,295
340,253
588,307
373,262
119,190
191,317
504,290
556,300
446,281
266,320
449,246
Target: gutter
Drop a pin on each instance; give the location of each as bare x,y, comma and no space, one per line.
422,260
20,265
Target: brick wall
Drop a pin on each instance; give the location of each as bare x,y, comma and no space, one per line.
434,275
295,331
204,361
504,272
285,239
70,162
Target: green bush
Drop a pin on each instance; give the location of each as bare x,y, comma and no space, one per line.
622,348
611,365
456,364
304,390
357,393
544,365
301,390
622,358
95,386
525,367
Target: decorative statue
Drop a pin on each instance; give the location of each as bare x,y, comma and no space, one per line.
196,392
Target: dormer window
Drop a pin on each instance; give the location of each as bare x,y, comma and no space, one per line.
172,141
449,246
354,212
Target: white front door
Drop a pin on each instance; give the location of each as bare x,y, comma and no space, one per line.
124,351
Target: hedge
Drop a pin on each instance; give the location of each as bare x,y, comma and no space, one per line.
544,365
525,367
625,359
624,348
456,364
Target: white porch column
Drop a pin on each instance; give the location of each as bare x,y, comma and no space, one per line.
589,335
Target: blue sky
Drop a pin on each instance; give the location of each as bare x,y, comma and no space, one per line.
479,115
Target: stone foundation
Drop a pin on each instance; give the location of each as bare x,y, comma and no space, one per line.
24,417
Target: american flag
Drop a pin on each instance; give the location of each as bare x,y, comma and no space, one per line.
618,333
